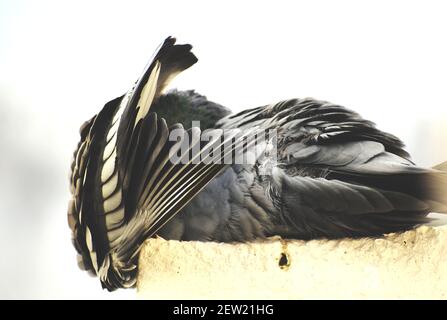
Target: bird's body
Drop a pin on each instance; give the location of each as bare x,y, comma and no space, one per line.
336,175
331,174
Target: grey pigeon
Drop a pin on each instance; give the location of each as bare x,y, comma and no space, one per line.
331,174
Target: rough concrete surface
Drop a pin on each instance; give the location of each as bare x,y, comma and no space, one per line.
410,265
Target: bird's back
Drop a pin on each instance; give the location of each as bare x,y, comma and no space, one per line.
334,175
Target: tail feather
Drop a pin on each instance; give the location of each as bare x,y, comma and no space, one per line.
428,185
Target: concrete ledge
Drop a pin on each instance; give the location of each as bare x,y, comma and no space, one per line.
410,265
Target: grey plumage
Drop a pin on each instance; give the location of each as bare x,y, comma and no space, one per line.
334,175
337,176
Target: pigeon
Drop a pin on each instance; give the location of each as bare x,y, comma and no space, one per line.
155,164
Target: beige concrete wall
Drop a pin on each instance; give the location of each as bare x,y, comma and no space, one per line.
410,265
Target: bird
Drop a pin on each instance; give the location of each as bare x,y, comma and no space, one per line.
324,172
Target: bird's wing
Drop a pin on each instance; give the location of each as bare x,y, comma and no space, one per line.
332,164
334,142
318,135
134,174
314,122
161,176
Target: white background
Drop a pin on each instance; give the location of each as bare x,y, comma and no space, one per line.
60,61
